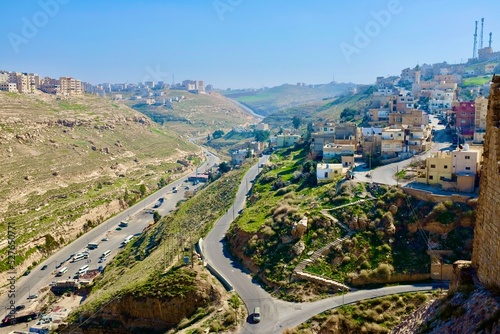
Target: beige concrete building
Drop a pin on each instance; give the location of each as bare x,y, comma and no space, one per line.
70,87
287,140
480,119
438,167
411,117
392,141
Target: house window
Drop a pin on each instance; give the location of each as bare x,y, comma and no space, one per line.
467,168
431,177
467,157
433,166
326,175
445,167
441,178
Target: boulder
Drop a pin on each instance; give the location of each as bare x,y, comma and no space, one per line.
299,228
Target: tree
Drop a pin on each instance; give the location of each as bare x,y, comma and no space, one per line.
156,216
235,303
217,134
142,190
261,135
296,121
348,114
224,167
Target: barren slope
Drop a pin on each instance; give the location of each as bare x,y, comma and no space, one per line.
66,163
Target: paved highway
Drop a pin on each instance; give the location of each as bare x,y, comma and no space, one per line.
136,216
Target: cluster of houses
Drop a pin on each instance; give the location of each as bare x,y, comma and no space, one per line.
400,127
28,83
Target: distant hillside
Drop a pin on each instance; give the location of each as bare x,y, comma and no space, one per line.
196,114
68,164
327,109
268,101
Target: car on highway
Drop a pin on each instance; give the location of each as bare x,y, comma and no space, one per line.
33,296
59,265
105,239
44,267
20,307
159,203
123,224
174,190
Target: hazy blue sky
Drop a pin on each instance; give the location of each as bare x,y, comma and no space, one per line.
238,43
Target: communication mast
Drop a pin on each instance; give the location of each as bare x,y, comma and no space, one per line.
481,39
474,56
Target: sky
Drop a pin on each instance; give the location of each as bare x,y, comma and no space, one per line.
238,43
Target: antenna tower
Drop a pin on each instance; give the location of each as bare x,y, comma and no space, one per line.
481,39
475,43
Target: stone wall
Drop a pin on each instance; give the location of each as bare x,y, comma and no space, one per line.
425,195
486,252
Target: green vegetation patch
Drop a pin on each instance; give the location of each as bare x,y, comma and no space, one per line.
377,316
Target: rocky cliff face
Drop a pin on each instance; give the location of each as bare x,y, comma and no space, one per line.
486,254
152,308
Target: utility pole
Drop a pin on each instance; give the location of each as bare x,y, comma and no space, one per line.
397,176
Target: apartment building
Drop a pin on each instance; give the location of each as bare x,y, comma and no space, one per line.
456,170
393,141
481,108
70,87
465,119
287,140
336,151
8,87
411,117
418,138
438,167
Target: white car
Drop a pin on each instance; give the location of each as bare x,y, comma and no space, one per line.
33,296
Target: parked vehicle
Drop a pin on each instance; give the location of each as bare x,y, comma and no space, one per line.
11,319
44,267
33,296
62,271
256,314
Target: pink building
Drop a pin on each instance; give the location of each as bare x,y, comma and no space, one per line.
465,113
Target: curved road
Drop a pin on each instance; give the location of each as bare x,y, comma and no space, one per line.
276,314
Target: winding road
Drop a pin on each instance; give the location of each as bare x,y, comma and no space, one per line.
276,315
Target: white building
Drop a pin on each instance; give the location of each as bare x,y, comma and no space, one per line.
327,172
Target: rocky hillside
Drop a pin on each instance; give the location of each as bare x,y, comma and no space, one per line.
164,302
66,164
196,114
288,218
468,308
